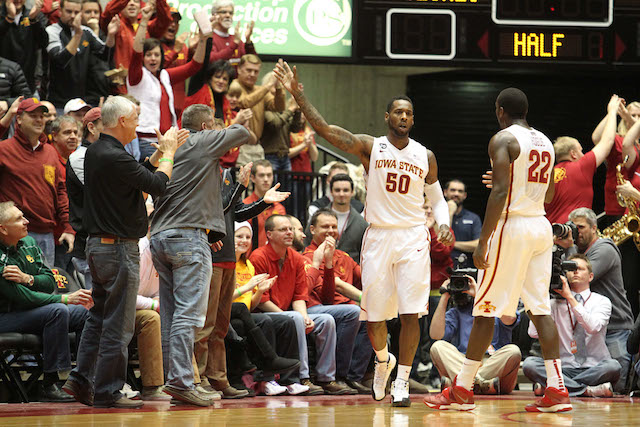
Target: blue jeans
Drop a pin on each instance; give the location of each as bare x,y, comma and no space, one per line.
617,344
103,351
575,379
347,318
324,335
47,246
362,352
82,267
182,258
53,322
279,163
145,148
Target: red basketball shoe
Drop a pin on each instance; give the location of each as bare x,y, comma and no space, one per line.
553,400
454,397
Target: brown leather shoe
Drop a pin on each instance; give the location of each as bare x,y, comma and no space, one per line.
123,402
335,388
191,397
314,390
359,387
81,393
233,393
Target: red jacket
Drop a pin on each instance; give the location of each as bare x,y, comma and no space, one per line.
124,38
31,179
175,59
291,284
323,291
440,259
226,48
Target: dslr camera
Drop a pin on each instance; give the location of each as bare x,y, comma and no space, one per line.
459,282
558,265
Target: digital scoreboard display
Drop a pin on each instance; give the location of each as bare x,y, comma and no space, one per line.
570,32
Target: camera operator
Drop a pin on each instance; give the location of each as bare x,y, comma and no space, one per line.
581,317
499,371
605,260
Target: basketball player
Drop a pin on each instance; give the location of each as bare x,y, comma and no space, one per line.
395,250
513,254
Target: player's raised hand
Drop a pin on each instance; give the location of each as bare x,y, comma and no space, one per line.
445,236
480,256
287,77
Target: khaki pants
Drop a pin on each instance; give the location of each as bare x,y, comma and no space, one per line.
150,349
209,346
503,364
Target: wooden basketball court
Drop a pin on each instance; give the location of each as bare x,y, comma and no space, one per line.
325,411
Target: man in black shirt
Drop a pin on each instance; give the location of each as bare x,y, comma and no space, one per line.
115,218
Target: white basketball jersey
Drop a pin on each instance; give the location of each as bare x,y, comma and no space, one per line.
530,173
395,184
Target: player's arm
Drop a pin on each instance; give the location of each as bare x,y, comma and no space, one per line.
359,145
501,160
551,189
433,191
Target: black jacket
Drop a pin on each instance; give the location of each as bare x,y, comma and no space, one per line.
22,43
234,210
12,81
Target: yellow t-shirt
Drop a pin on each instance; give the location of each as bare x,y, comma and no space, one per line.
244,273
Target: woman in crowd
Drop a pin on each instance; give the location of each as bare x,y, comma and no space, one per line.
151,84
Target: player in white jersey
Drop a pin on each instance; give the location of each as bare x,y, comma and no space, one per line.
514,252
395,250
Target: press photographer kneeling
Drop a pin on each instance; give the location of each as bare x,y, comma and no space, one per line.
499,371
581,317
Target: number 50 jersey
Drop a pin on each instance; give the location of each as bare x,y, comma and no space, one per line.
395,184
530,172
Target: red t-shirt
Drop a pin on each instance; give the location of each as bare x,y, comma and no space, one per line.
574,187
274,209
344,267
301,162
291,284
611,205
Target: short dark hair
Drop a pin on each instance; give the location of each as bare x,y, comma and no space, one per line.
57,123
62,2
269,224
324,211
218,67
584,258
194,115
341,177
150,44
262,162
338,165
398,98
446,186
514,102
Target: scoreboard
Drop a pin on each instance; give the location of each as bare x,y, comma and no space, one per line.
499,32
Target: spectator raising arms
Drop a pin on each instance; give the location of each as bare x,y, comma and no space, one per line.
151,84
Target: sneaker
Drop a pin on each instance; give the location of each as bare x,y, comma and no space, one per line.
602,390
454,397
130,393
54,393
272,388
208,392
400,393
382,372
335,388
538,390
191,397
359,387
79,392
553,400
296,388
314,390
154,394
123,403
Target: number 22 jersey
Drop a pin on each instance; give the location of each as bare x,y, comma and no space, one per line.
395,184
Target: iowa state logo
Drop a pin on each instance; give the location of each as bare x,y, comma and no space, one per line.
487,307
50,174
61,281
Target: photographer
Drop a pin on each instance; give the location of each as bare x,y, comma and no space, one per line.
499,371
605,260
581,317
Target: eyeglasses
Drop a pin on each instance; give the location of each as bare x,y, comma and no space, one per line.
225,12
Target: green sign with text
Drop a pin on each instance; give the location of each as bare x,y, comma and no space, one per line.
286,27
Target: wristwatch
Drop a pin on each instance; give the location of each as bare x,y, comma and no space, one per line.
30,281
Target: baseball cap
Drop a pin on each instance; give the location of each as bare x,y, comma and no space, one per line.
174,11
30,104
75,104
91,116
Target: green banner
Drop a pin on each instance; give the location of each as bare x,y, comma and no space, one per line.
286,27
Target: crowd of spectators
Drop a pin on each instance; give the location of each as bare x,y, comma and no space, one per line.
223,304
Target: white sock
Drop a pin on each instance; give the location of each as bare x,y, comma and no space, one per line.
382,355
468,373
554,373
403,372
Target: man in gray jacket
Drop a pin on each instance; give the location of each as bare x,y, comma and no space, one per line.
605,259
185,217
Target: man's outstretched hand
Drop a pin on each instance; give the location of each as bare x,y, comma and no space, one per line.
288,77
274,196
